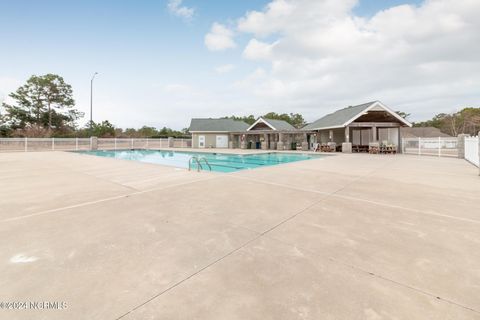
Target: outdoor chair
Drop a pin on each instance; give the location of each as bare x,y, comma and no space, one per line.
332,146
373,147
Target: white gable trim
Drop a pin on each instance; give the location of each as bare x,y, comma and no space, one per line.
263,121
376,105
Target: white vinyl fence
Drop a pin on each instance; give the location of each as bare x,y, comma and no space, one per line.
471,150
77,144
440,147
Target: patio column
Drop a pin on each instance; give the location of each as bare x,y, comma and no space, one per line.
243,143
400,142
280,145
347,134
264,144
330,135
231,138
273,141
305,142
289,142
347,145
374,134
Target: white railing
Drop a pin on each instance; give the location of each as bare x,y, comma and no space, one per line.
77,144
440,147
471,150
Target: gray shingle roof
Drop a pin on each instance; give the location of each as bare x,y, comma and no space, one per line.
217,125
338,118
279,124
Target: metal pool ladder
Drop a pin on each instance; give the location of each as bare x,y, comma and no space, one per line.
199,165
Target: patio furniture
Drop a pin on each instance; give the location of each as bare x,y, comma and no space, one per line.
373,148
387,148
332,146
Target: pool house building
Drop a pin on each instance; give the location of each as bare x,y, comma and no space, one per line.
354,128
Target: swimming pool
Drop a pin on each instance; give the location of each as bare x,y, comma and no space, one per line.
220,162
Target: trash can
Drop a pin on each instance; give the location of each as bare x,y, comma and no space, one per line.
257,145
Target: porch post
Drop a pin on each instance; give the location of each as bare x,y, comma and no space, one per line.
330,135
273,141
374,132
243,143
400,147
347,145
264,143
231,137
305,142
280,145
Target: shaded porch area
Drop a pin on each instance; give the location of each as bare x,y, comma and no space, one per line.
270,140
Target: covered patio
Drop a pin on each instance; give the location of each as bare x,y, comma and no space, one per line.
370,127
269,134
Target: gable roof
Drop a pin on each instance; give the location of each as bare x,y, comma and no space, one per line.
216,125
343,117
273,124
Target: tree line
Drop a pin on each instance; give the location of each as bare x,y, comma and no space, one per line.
465,121
295,119
44,107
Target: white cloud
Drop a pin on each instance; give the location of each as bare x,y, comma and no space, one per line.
226,68
320,55
258,50
219,38
175,7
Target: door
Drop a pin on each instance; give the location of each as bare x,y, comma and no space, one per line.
201,141
222,141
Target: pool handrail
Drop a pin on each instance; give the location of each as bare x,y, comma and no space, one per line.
199,165
206,161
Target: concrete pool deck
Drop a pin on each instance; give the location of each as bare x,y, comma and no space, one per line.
341,237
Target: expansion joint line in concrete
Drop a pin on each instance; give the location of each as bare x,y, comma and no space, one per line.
258,236
337,195
373,274
238,248
88,203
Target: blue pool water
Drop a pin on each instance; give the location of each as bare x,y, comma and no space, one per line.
219,162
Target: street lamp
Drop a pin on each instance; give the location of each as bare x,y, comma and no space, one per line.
91,99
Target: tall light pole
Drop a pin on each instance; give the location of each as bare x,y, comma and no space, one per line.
91,100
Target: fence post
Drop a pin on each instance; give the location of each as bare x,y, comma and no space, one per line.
93,143
439,147
76,144
461,145
26,144
53,144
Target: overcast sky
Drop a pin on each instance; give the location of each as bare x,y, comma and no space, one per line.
163,62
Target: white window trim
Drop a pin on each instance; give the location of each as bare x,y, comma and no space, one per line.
261,120
378,104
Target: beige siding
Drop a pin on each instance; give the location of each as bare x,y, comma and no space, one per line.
210,139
